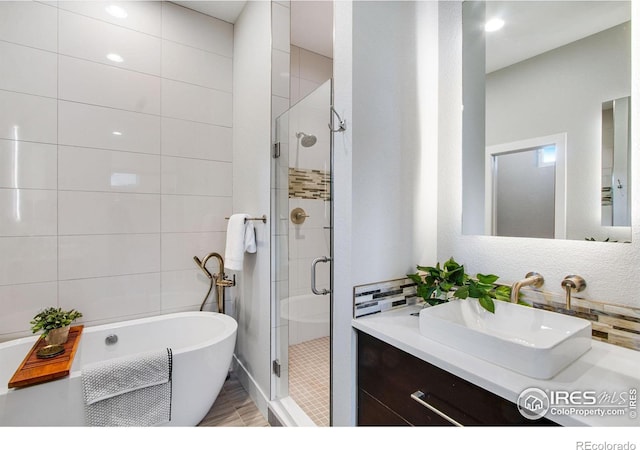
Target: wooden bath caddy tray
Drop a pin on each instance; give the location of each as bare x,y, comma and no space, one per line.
34,370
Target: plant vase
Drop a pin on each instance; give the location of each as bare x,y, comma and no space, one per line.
57,336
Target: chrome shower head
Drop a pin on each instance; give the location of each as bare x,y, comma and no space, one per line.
308,140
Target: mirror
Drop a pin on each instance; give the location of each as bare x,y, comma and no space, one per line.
534,71
616,156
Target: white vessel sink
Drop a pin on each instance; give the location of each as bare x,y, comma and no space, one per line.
533,342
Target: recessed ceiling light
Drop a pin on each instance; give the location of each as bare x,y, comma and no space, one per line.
116,11
115,57
494,25
117,133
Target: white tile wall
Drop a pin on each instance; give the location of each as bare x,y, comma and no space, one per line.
110,255
181,62
194,213
99,84
308,71
178,249
22,68
27,165
28,212
113,175
29,23
196,103
23,301
196,140
87,169
195,177
187,27
142,16
27,260
27,117
107,213
91,39
112,297
100,127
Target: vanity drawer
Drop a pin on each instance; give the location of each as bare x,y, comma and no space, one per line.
391,376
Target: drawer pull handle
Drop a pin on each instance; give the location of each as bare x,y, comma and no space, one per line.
419,395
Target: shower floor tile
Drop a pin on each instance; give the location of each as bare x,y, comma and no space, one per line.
309,374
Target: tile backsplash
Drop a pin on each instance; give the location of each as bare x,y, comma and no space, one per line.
614,324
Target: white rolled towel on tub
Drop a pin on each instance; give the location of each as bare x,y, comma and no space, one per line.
241,238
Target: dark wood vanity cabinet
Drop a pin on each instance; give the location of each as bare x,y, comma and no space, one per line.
388,376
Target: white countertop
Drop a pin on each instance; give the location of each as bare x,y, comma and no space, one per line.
604,368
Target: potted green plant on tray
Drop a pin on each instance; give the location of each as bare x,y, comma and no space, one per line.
439,284
54,323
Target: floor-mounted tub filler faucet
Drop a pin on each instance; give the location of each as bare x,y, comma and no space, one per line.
220,279
531,279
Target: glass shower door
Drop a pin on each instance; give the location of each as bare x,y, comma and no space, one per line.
301,304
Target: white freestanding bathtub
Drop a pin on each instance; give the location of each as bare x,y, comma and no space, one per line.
202,345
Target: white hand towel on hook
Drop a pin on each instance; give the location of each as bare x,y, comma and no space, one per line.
241,238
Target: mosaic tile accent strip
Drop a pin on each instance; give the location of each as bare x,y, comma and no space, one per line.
614,324
310,184
376,297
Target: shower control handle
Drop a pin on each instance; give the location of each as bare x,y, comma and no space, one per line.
315,262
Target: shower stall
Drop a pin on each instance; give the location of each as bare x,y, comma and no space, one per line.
301,256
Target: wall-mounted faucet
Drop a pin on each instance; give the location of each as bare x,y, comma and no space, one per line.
220,279
531,279
572,283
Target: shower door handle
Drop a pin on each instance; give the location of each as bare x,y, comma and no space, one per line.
315,262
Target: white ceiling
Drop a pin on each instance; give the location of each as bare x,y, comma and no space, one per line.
311,21
534,27
229,10
531,27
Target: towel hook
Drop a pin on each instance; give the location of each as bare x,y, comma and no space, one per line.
342,124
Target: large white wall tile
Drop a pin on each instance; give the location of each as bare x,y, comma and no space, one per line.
86,169
281,34
29,23
28,212
28,70
21,302
28,260
189,102
186,288
315,67
27,165
196,140
99,127
280,73
192,65
196,30
92,39
178,249
107,255
107,213
196,177
27,117
111,297
103,85
140,15
193,213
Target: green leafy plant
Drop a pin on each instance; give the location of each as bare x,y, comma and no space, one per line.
435,283
52,318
